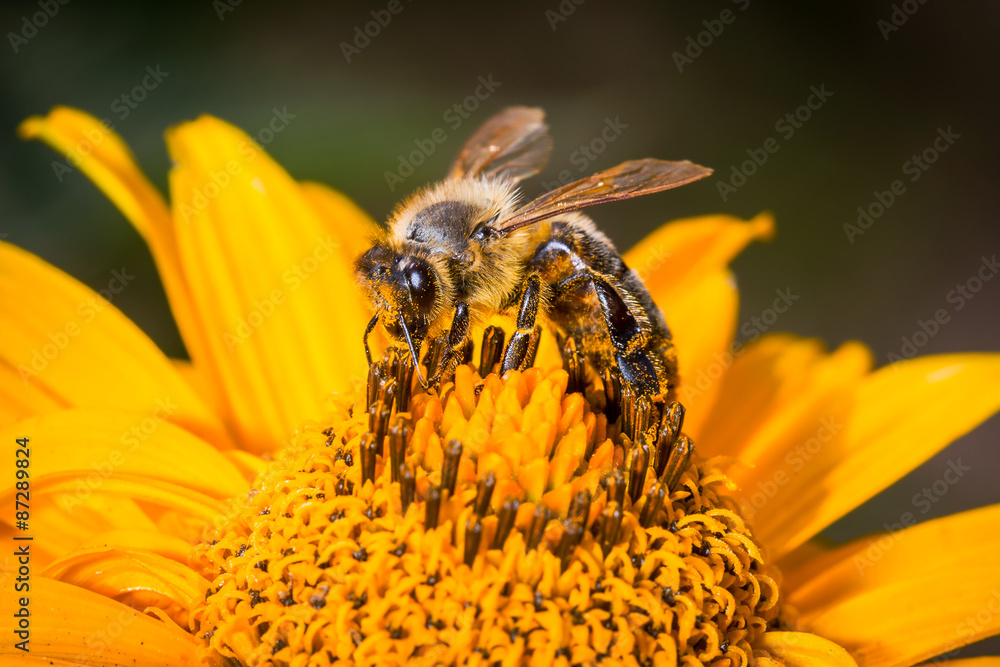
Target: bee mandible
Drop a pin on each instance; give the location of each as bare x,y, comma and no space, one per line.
464,249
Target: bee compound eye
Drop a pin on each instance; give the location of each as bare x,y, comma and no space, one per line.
420,280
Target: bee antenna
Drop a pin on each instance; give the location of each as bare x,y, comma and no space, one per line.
413,352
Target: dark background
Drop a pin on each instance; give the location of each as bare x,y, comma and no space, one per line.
605,60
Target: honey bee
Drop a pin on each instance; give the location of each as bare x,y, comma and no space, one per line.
464,249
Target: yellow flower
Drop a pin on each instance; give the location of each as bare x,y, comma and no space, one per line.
249,506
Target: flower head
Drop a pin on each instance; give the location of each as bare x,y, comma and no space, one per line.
277,502
498,517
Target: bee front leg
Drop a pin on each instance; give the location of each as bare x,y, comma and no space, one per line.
458,334
520,341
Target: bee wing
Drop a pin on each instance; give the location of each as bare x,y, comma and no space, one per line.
515,143
629,179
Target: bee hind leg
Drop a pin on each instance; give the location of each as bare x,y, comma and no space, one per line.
627,333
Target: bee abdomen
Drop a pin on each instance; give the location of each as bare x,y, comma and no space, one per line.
601,303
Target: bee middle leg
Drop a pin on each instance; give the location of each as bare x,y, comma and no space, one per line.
519,348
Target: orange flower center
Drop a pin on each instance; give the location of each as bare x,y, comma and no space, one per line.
489,521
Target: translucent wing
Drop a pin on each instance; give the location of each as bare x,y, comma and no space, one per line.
629,179
514,143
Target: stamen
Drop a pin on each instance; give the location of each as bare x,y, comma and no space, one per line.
484,491
612,379
610,526
473,535
616,487
539,518
579,508
435,348
399,434
638,463
654,503
407,485
573,363
404,383
433,507
680,457
376,373
492,350
505,521
572,534
449,469
370,446
670,429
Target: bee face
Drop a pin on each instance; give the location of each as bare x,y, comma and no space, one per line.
402,288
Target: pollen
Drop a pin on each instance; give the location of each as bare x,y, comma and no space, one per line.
543,517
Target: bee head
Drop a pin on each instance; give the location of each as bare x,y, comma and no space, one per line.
402,289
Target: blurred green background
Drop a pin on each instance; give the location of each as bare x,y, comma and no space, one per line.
891,88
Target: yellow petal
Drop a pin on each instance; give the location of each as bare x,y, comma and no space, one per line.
175,497
801,649
99,445
702,319
60,523
684,266
73,346
899,417
683,251
76,625
780,408
136,578
20,400
269,280
148,540
101,154
984,661
29,660
900,598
